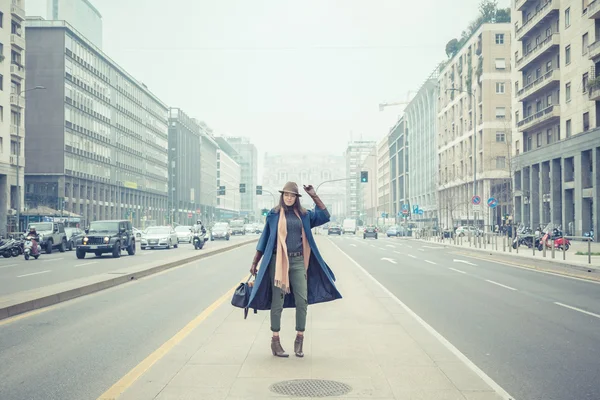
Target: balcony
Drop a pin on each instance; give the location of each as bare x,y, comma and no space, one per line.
521,4
593,10
17,11
594,92
545,116
552,42
17,100
17,71
594,50
13,159
539,18
550,78
18,41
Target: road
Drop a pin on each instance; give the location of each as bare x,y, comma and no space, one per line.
17,275
535,334
77,349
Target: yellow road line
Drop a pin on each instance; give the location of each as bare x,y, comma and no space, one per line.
534,268
23,316
129,379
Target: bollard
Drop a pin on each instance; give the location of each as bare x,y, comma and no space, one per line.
589,250
485,242
496,238
533,247
543,250
564,253
504,244
552,249
517,246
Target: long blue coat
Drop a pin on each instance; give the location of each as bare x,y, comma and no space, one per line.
320,278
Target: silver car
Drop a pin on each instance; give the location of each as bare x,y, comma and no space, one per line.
184,233
159,236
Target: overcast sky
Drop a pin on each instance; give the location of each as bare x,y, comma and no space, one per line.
291,75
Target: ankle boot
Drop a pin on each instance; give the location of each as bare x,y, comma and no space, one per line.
276,347
298,345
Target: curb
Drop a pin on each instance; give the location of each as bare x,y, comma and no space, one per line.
73,293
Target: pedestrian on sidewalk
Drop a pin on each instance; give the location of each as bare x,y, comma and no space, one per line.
292,272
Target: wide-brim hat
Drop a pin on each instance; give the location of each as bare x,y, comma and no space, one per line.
291,187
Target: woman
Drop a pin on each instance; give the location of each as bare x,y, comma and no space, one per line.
292,272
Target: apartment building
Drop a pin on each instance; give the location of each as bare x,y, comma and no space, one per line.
12,108
97,138
556,141
356,152
474,112
384,197
398,150
368,199
229,174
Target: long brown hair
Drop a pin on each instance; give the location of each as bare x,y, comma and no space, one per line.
296,206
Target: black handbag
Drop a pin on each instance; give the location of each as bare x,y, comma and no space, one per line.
241,296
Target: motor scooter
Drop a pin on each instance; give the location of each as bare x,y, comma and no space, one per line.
6,249
199,239
31,248
552,232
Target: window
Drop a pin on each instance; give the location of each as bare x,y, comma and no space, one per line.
549,66
517,147
500,162
584,44
529,143
549,136
568,91
584,6
584,82
549,100
499,87
586,121
548,32
568,17
499,38
538,139
568,55
500,137
500,112
516,87
1,82
568,128
500,63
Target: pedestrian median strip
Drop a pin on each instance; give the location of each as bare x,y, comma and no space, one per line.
26,301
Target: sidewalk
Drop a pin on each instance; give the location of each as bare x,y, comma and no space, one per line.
367,340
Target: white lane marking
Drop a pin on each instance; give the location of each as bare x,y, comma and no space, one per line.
457,270
577,309
433,247
35,273
90,263
373,245
421,250
430,262
389,260
53,259
465,262
496,387
410,255
390,245
8,266
352,244
501,285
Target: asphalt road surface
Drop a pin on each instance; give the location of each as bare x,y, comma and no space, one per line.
535,334
17,275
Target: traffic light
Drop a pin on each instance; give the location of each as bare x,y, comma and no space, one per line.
364,176
221,191
242,188
265,212
259,190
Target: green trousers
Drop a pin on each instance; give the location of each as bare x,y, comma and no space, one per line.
300,289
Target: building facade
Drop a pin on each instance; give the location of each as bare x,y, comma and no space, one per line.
474,112
556,140
383,178
397,145
421,116
208,175
305,169
184,167
356,152
229,174
12,107
97,140
369,201
248,161
80,14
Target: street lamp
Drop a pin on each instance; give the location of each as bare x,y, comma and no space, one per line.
19,94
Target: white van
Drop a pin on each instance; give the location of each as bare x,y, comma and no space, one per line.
349,226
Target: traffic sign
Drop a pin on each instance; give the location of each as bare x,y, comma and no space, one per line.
198,211
383,215
421,211
415,209
492,202
404,207
476,200
405,212
190,215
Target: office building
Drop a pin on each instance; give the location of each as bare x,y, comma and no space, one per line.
80,14
421,116
97,139
355,155
248,161
384,196
229,174
314,169
208,176
473,124
397,145
368,200
556,140
12,108
184,167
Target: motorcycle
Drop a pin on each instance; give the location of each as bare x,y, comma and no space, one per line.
554,232
28,248
6,249
199,239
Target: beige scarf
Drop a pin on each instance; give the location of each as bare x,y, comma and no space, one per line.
282,262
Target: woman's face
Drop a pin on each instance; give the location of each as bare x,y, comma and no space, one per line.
289,199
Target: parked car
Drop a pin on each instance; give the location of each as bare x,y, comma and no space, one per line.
111,236
220,230
467,230
184,233
370,231
159,236
334,230
393,231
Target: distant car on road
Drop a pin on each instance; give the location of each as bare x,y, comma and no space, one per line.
220,231
184,233
370,231
112,236
393,231
72,235
334,230
159,236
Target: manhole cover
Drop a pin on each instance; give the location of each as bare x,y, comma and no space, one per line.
310,388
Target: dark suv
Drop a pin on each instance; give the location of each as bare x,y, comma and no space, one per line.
370,231
107,237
